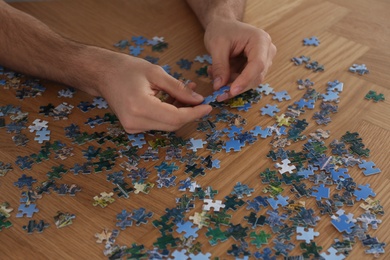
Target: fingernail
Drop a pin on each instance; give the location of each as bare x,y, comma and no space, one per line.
237,90
197,96
217,83
223,97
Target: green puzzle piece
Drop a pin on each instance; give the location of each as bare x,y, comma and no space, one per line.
216,234
259,239
5,224
374,96
165,240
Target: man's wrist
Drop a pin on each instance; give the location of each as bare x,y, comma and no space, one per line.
89,69
219,15
208,11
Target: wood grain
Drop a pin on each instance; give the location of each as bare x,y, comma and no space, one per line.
348,35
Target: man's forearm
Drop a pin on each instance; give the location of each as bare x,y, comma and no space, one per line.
208,10
29,46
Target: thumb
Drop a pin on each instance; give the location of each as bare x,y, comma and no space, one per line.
220,68
177,89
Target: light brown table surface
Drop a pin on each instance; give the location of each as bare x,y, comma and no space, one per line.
349,31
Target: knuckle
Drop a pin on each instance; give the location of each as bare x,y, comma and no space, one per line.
218,69
128,126
274,49
179,86
261,64
155,69
260,78
135,111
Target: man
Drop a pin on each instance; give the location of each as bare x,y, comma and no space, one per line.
241,55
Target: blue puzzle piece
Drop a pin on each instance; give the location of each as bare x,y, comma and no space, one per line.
151,59
245,107
257,203
212,98
232,131
335,86
42,135
115,177
266,255
24,162
343,224
187,228
215,164
124,219
339,173
278,130
139,40
167,68
282,95
207,100
200,256
307,172
331,96
164,180
168,168
196,144
364,192
264,133
184,64
233,144
138,140
26,210
369,168
122,44
185,184
269,110
135,51
25,181
332,255
300,60
322,192
179,255
140,216
313,41
265,88
282,201
303,103
360,69
241,189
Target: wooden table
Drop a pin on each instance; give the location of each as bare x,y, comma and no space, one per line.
350,32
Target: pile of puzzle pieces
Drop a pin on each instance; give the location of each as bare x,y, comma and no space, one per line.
309,173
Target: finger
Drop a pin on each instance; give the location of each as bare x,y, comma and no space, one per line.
135,131
177,103
210,71
250,76
220,68
175,88
271,55
168,117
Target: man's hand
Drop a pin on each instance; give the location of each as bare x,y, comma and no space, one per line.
130,89
241,53
128,84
